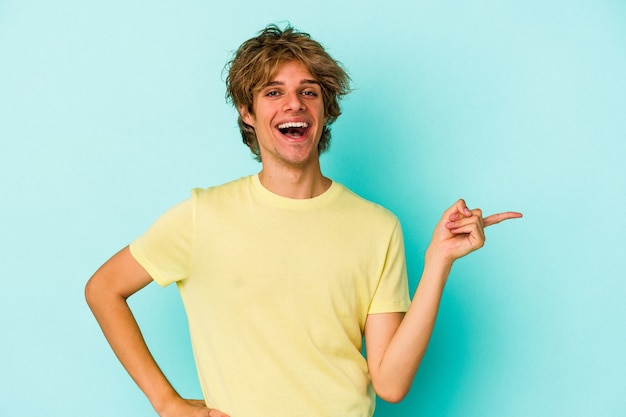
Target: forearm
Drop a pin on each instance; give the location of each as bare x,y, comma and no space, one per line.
123,334
407,347
398,344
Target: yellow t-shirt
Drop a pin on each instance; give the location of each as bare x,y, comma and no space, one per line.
277,291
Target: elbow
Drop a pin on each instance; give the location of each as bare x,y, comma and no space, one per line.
392,397
95,292
90,293
392,393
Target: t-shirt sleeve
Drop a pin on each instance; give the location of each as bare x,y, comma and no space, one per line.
392,293
164,250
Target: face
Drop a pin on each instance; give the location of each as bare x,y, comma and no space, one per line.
288,117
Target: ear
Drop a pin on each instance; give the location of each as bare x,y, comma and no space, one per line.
246,116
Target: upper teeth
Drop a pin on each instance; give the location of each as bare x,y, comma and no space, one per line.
287,125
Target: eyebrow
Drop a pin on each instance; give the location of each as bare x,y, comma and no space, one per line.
302,82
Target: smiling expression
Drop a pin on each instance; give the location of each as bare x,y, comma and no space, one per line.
288,117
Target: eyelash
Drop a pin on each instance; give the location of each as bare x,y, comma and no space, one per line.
274,93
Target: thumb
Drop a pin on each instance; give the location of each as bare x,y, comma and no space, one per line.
457,210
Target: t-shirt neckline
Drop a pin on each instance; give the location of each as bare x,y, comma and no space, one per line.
295,203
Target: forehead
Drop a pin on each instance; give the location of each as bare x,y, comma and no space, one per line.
290,72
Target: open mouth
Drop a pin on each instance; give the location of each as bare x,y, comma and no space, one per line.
293,129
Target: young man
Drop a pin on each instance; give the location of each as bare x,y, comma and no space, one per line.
282,273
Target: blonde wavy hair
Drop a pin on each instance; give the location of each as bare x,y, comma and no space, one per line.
258,58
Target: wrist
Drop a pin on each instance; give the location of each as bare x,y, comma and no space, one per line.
438,259
166,402
437,265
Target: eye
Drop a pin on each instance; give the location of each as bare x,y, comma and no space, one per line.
310,93
272,93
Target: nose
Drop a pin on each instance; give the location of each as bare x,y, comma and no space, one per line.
293,102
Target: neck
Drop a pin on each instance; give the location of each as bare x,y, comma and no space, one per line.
294,183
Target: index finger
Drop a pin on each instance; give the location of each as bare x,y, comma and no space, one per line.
499,217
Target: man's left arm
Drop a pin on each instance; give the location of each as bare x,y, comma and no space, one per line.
396,342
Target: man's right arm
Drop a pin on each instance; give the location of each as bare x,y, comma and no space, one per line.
106,293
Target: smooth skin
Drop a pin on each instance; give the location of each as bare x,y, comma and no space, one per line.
106,293
395,342
291,166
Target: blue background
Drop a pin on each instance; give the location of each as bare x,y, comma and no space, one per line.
111,111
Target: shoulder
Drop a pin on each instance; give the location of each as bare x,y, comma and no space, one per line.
367,208
231,188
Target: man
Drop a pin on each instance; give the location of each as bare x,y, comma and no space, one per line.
283,273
